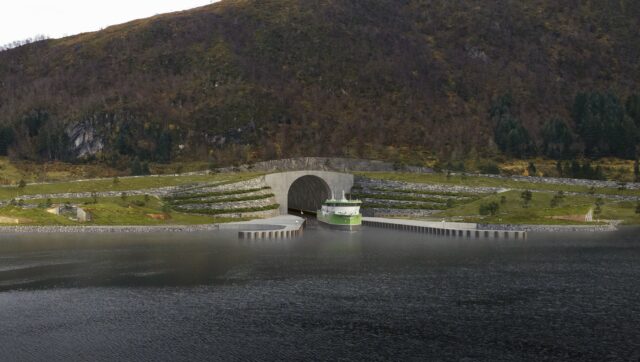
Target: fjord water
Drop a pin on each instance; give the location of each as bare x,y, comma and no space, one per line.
369,295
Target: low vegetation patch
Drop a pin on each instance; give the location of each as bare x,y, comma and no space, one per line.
214,194
419,192
400,198
220,200
404,206
128,210
206,211
489,208
627,211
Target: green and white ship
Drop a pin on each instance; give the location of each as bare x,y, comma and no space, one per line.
341,214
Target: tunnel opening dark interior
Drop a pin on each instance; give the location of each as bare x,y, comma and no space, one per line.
307,194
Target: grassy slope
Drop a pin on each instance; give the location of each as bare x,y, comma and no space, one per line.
110,211
113,211
119,211
513,212
625,211
12,171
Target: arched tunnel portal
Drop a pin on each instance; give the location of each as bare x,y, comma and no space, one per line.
306,190
307,193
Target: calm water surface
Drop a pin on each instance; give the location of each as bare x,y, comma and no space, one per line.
372,295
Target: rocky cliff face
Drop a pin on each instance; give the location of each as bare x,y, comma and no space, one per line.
85,141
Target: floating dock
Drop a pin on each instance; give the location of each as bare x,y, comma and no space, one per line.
446,229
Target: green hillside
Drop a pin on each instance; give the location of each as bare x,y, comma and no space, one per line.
244,80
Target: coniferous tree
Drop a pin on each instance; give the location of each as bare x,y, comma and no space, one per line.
604,126
7,137
164,147
632,106
526,197
586,171
509,133
121,144
598,174
559,169
33,120
576,169
136,167
144,169
556,139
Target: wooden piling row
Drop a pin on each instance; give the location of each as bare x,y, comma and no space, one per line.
272,234
449,232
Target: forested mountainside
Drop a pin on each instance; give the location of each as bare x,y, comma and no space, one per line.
243,80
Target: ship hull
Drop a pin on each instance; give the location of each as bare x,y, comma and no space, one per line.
338,222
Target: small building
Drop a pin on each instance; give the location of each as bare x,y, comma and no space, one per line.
73,212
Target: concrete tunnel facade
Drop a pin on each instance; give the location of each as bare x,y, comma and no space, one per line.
306,190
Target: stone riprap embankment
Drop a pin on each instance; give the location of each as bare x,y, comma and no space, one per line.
390,212
202,204
551,228
220,187
605,196
156,192
324,164
250,215
108,229
570,181
399,195
368,183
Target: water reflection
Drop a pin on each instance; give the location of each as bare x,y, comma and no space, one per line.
375,294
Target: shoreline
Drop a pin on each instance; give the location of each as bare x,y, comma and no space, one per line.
551,228
130,229
277,223
139,229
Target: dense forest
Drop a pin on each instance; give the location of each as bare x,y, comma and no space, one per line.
244,80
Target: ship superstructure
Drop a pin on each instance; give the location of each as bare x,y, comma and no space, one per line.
341,213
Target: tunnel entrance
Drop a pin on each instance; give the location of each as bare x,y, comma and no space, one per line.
307,194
